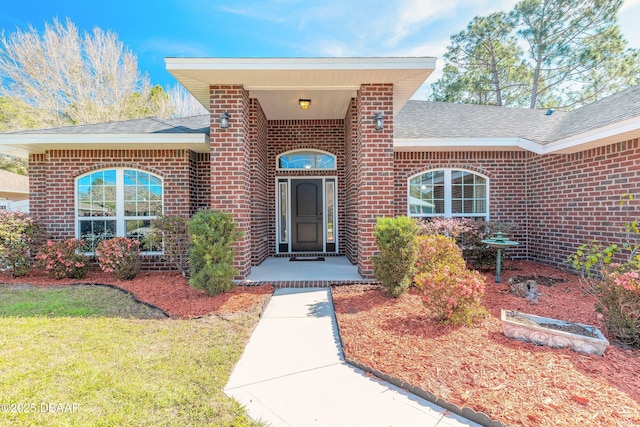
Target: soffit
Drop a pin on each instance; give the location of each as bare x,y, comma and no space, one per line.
278,83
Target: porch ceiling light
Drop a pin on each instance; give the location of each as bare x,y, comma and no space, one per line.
304,104
224,120
379,121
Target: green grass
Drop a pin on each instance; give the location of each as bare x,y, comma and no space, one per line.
73,301
118,371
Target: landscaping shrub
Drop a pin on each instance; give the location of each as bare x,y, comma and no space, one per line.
618,300
173,232
612,273
120,255
19,233
468,234
437,251
212,235
63,258
394,265
450,291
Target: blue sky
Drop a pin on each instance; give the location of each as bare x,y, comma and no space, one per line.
156,29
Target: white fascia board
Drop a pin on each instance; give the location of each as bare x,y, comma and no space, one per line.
24,144
479,144
585,140
98,138
250,64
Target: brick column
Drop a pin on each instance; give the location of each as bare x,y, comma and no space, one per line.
231,165
374,172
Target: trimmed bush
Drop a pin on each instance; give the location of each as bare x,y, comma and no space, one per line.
211,253
64,259
468,234
450,291
436,251
121,256
19,233
173,232
394,265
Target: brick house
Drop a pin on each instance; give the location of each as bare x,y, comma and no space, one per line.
307,153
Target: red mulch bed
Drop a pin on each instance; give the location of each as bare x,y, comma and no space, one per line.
514,382
168,291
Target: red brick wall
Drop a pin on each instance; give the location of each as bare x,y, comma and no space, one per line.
325,135
507,173
231,165
200,181
53,183
375,174
351,192
574,198
260,184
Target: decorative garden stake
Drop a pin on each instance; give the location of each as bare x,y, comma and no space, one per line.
499,241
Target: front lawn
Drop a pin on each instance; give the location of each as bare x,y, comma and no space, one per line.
74,301
117,370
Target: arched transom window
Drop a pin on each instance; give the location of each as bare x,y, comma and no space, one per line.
116,202
306,160
448,193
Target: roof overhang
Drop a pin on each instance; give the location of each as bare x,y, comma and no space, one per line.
617,132
465,144
278,83
22,145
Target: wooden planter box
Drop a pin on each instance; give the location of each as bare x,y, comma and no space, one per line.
552,332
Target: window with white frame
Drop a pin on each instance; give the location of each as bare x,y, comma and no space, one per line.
117,202
306,160
448,193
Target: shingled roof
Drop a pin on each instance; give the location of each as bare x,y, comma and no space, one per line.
149,125
424,119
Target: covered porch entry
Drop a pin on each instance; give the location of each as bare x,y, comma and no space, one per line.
261,108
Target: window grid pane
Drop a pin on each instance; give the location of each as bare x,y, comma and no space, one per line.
139,200
466,191
426,193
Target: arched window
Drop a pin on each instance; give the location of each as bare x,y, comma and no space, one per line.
116,202
306,160
448,193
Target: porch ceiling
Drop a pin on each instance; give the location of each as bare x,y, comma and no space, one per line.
278,83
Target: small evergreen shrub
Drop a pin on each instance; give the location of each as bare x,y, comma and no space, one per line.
64,258
394,265
19,233
121,256
173,232
450,291
212,235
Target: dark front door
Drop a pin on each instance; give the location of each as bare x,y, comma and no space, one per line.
306,215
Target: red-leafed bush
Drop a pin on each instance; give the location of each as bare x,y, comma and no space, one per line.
120,255
63,258
450,291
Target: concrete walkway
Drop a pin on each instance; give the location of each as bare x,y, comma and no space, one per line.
292,374
276,269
